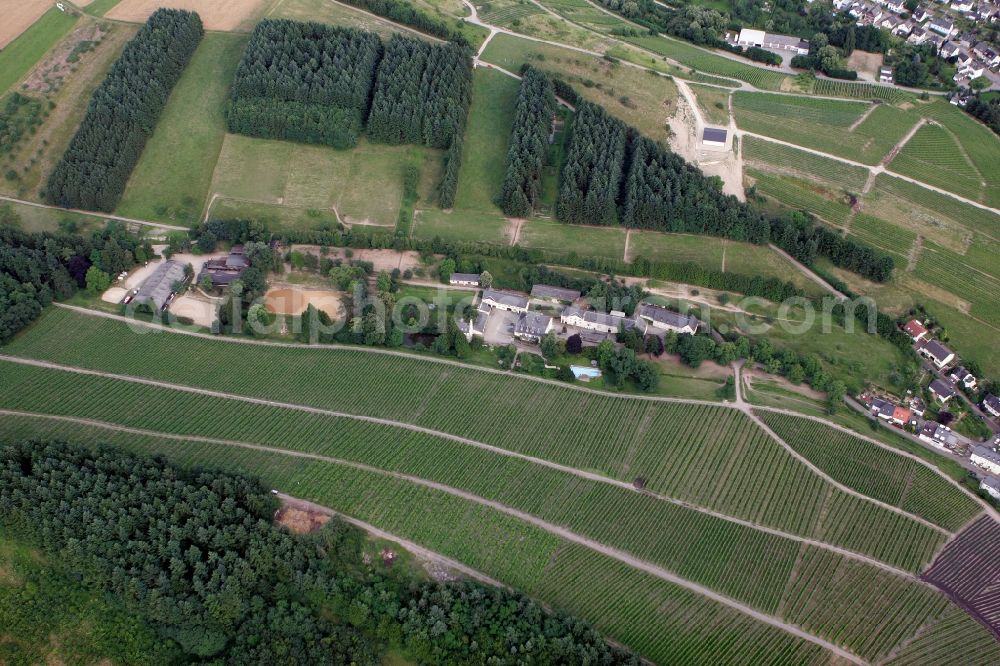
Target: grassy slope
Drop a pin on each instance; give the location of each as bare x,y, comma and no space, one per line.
171,181
485,151
22,54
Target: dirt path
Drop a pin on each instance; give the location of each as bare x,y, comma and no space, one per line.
555,530
106,216
805,270
902,142
414,548
522,377
862,118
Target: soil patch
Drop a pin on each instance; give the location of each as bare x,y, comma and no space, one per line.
19,16
226,15
293,301
49,76
384,260
300,521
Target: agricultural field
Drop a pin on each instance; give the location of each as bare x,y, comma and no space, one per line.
976,142
781,159
619,517
35,218
171,182
642,99
828,203
714,103
484,152
336,13
221,15
19,55
559,238
630,605
857,131
881,234
934,157
946,270
860,90
506,13
876,472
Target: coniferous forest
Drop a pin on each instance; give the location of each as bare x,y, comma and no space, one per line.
195,555
315,83
614,175
529,144
123,111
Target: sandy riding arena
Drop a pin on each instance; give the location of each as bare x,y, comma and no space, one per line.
228,15
292,301
18,17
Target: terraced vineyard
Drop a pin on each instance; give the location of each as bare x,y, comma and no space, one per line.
824,124
943,268
786,159
876,471
663,621
953,638
879,233
976,142
709,63
932,156
909,205
505,14
833,88
802,194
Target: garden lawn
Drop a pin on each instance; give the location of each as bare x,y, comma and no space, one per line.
172,179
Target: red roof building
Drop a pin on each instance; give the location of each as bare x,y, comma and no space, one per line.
901,415
915,330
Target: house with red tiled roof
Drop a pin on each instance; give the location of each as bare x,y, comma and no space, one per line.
915,330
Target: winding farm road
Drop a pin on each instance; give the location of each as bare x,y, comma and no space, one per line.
464,441
555,530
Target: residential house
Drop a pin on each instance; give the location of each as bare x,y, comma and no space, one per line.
987,458
668,320
883,409
885,74
917,36
897,6
477,326
917,406
964,6
937,352
158,289
904,29
949,50
890,23
973,70
505,300
936,40
464,279
942,25
964,377
942,390
966,40
991,404
901,416
920,15
531,326
938,435
991,485
225,270
598,321
544,292
749,37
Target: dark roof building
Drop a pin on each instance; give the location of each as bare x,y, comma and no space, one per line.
715,136
505,300
532,326
668,320
471,279
991,404
549,293
225,270
942,389
159,286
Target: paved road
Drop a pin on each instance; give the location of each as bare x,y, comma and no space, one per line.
555,530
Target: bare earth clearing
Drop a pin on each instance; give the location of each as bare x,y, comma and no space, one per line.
293,301
227,15
18,17
49,76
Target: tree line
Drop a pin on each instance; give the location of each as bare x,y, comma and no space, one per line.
403,12
986,111
209,572
305,82
122,113
612,174
529,144
38,268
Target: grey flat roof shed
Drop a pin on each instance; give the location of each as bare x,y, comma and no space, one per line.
158,286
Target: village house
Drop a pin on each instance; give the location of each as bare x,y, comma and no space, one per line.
883,408
749,38
991,404
901,416
505,300
531,326
464,279
885,74
938,435
544,292
598,321
942,25
917,36
987,458
964,377
668,320
477,326
937,353
904,29
942,390
991,485
949,50
920,15
226,270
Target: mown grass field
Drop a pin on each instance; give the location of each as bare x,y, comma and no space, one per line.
171,182
645,526
462,225
714,103
18,57
559,238
629,605
484,153
640,98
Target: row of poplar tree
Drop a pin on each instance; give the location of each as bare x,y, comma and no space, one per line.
123,111
195,555
614,175
315,83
